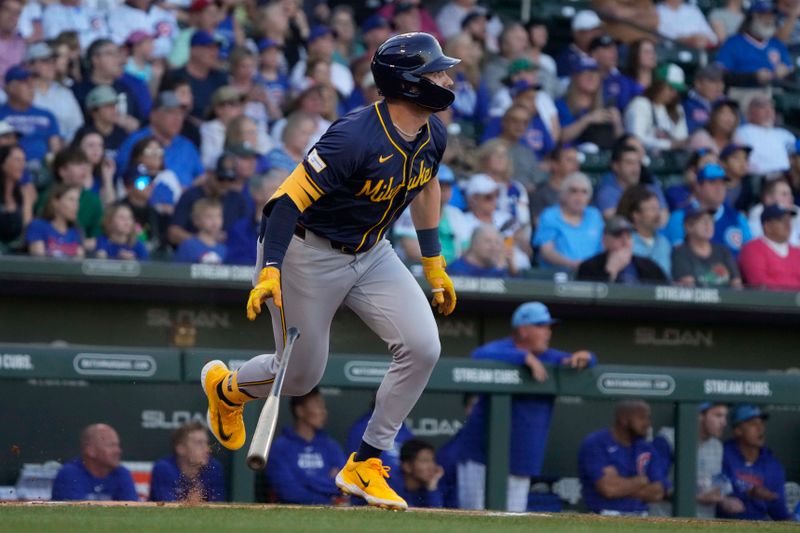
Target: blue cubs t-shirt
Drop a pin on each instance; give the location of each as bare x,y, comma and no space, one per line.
113,249
741,53
460,267
573,242
74,482
36,127
194,250
56,244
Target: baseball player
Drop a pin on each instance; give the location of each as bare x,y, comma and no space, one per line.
322,244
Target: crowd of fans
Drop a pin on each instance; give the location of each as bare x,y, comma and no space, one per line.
139,130
623,469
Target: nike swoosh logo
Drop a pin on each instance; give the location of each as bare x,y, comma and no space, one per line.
224,436
384,159
365,483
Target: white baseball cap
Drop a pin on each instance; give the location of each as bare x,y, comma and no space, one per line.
585,20
481,184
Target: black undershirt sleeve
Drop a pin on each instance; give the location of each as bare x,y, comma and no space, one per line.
277,229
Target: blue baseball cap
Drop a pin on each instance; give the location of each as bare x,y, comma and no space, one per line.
775,211
520,86
731,148
446,175
744,412
532,313
711,172
18,73
266,44
761,6
203,38
582,64
373,23
317,32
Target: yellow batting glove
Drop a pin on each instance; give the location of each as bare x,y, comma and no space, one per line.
444,294
268,286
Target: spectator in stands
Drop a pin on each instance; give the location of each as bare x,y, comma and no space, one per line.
38,129
787,15
730,226
174,82
106,63
147,16
243,234
321,46
147,159
699,262
150,224
642,62
726,19
494,160
586,25
513,45
54,234
12,44
471,104
190,474
374,31
617,263
453,228
754,56
244,78
563,161
771,144
770,261
626,171
102,116
347,47
708,88
227,103
685,23
51,95
180,155
97,474
657,117
570,232
538,37
14,214
680,195
487,256
450,19
713,488
311,101
581,113
424,20
203,15
773,192
295,137
733,159
119,239
221,186
792,176
206,245
103,166
619,468
618,89
641,207
513,134
202,71
528,345
758,477
718,131
304,459
271,78
141,63
418,482
71,167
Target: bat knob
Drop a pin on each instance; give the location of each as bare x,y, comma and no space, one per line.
256,463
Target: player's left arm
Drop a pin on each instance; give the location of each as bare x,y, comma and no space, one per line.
425,212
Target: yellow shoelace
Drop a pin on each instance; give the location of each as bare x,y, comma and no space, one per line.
377,465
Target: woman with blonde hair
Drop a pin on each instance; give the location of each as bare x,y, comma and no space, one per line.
120,236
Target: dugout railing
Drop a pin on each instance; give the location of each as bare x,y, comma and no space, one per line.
108,377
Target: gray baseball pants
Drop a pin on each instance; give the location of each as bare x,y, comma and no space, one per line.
315,280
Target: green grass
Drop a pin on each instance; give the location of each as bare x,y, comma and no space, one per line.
42,518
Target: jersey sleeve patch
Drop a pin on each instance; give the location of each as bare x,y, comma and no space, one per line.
316,162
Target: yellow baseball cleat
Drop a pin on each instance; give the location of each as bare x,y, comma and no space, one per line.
367,479
224,416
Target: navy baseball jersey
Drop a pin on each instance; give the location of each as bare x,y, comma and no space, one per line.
361,175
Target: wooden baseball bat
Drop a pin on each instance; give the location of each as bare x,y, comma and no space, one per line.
268,419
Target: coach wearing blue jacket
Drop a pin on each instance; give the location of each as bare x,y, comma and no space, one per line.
757,476
305,459
529,345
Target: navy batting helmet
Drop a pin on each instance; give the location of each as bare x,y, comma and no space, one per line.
399,64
